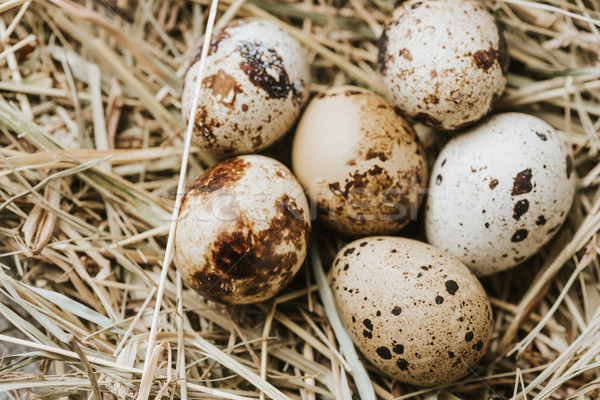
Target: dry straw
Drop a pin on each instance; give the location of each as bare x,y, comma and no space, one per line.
90,154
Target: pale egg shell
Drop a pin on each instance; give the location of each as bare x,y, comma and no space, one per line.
243,230
416,313
360,162
499,192
256,81
443,62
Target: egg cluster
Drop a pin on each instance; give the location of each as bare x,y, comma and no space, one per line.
498,191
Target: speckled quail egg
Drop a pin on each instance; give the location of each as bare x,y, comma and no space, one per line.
443,62
243,230
418,314
499,192
255,83
360,162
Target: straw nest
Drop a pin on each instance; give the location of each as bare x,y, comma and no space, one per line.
90,152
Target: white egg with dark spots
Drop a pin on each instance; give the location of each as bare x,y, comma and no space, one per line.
360,162
243,230
416,313
255,83
443,62
499,192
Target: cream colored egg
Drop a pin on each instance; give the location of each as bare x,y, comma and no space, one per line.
416,313
360,162
256,81
499,192
243,230
443,62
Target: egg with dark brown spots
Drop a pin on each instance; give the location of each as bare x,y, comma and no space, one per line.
499,192
360,162
416,313
243,230
255,83
443,62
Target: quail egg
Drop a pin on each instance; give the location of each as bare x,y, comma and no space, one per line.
443,62
499,192
255,83
361,163
416,313
243,230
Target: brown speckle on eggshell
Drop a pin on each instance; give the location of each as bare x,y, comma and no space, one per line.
243,230
439,321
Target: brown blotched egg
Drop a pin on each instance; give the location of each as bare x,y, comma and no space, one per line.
256,81
359,161
443,62
499,192
243,230
418,314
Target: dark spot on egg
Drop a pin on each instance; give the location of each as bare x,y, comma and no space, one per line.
520,208
519,236
451,354
367,334
264,68
469,336
398,349
451,287
349,251
384,353
346,267
396,310
432,99
222,174
478,346
402,364
351,92
522,183
371,154
368,324
541,220
224,87
542,136
493,183
405,53
439,300
485,59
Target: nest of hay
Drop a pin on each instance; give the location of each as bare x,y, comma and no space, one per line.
90,153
